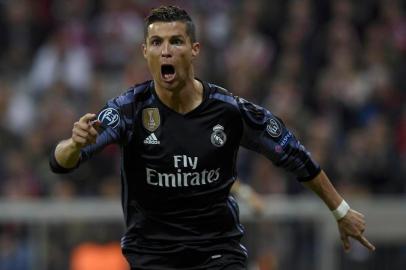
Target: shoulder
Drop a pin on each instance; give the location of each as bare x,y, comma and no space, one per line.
118,112
134,94
125,105
222,95
252,113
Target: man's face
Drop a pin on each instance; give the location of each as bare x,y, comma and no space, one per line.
169,53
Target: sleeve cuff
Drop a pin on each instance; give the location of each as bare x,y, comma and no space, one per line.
56,168
313,171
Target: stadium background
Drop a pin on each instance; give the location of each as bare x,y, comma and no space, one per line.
333,70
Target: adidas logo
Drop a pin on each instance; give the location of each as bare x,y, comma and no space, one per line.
151,139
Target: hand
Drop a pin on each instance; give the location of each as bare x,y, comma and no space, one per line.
250,196
257,203
84,131
353,225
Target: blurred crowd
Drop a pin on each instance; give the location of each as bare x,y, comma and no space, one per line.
332,70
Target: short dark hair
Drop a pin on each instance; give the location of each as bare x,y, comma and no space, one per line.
170,14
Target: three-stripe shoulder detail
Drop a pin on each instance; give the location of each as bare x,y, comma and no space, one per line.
222,94
130,96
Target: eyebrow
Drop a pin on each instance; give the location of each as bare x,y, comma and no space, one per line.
177,36
171,37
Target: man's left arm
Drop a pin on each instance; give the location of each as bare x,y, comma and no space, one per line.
350,222
265,133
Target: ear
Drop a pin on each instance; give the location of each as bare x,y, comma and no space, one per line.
144,50
195,49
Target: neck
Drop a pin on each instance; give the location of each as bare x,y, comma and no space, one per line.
183,99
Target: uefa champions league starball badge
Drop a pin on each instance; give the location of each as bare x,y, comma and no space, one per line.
218,137
274,128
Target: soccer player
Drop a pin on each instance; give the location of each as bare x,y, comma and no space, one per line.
179,138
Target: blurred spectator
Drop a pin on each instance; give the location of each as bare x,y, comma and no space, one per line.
15,252
20,113
249,56
18,38
119,29
401,136
20,180
393,16
7,137
61,59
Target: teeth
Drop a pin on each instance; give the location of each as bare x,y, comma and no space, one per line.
168,76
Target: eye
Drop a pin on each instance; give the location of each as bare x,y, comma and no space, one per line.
155,42
177,41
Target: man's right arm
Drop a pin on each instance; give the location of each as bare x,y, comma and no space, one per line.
67,152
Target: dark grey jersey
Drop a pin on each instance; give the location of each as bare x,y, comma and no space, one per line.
177,169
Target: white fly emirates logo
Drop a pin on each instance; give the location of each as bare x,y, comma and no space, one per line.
185,175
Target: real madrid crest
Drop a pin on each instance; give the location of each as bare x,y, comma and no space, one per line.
151,119
218,137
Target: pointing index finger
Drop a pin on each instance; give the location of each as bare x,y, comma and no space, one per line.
366,243
87,117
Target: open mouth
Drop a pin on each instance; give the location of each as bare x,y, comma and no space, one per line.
168,72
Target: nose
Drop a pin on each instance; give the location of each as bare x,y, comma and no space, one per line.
166,50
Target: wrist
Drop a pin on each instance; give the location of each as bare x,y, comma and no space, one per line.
341,210
72,146
67,153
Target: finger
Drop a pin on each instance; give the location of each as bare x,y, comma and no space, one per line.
93,132
360,221
346,243
83,137
87,117
83,125
358,213
88,135
80,133
94,129
93,137
366,243
79,140
96,123
359,225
